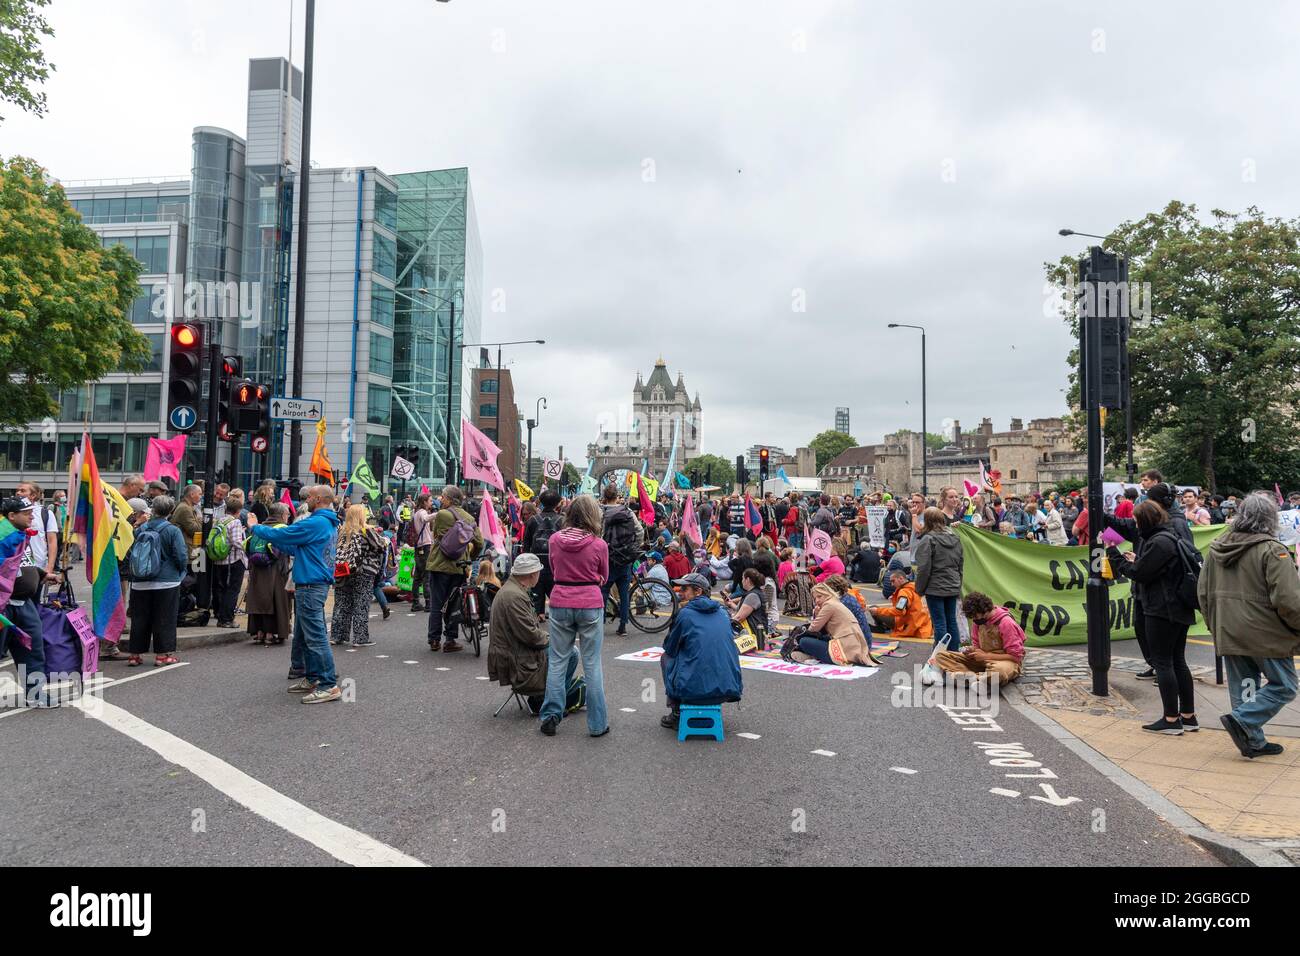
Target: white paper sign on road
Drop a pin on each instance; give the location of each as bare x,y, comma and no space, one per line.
296,409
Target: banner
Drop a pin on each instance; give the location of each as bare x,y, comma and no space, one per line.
824,671
489,525
588,486
320,456
523,491
552,469
691,523
162,457
1113,493
1043,585
818,542
876,515
120,520
364,478
479,456
403,470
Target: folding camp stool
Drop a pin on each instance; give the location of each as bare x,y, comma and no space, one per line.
517,698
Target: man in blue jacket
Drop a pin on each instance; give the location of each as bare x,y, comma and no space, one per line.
312,541
701,664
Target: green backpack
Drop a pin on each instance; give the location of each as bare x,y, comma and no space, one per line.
218,546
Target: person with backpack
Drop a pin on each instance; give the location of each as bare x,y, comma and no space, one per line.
456,541
622,535
537,536
1159,574
360,550
419,535
269,608
227,558
157,561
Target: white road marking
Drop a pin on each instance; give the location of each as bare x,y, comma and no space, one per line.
823,753
97,682
628,710
436,668
1004,793
379,656
341,842
749,736
902,770
482,678
416,662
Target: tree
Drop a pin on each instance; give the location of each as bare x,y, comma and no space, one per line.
829,444
64,300
571,475
723,471
1214,355
22,62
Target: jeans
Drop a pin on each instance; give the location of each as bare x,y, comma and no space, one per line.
795,540
379,594
30,662
310,653
439,585
1167,641
943,612
816,647
586,625
1268,699
620,574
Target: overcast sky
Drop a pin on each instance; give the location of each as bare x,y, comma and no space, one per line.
888,162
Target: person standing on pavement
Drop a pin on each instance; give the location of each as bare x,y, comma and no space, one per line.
269,608
580,563
1155,572
939,566
228,571
155,600
312,541
622,535
1250,595
448,570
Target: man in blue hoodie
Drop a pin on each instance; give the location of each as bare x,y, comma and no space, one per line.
312,541
700,664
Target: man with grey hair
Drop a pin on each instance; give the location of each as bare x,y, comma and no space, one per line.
1249,593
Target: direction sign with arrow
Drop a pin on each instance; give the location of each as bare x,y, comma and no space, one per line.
285,408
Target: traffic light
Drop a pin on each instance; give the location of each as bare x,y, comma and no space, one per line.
185,381
244,414
231,368
261,439
742,473
762,464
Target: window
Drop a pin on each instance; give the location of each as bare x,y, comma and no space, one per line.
381,305
39,455
108,451
487,411
385,257
1013,473
11,451
68,443
143,404
379,402
386,207
381,354
137,448
993,454
73,405
488,386
110,403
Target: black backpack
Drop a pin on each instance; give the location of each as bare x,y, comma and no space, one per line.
1187,573
622,538
548,522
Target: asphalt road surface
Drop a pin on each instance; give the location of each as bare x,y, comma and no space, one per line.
212,762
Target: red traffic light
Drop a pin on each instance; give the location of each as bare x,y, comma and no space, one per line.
244,394
186,336
231,366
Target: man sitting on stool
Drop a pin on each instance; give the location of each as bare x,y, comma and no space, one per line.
701,665
517,641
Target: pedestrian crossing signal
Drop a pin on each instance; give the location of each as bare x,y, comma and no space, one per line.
185,376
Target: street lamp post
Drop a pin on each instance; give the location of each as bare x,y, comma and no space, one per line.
483,345
925,471
532,423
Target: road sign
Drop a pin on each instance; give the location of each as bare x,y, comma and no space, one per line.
183,417
259,443
296,409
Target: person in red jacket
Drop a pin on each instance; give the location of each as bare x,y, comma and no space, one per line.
676,563
997,642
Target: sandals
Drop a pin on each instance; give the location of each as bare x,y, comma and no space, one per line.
135,660
162,660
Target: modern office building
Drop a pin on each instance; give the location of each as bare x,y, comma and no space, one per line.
842,420
774,454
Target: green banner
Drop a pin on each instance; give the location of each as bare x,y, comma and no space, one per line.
1043,585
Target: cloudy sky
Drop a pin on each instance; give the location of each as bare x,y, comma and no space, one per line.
674,178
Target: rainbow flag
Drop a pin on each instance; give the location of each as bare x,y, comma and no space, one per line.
95,522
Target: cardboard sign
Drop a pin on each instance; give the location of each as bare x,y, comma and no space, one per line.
406,568
876,515
89,642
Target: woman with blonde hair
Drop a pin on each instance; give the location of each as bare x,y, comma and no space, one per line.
357,561
834,636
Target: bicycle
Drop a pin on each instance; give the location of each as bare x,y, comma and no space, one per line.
652,605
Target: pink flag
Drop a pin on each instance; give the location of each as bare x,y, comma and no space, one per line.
489,525
690,523
1278,491
647,506
162,458
424,489
479,456
288,501
972,489
819,543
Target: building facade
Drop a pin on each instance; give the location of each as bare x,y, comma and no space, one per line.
494,400
661,410
842,420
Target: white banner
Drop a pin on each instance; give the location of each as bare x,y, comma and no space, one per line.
824,671
876,525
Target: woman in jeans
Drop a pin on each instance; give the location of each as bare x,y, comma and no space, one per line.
939,563
580,565
1155,575
154,602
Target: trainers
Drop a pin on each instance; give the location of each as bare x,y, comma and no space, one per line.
387,612
606,730
1191,724
1238,734
1148,674
1162,726
303,686
366,643
1268,750
549,725
296,675
321,695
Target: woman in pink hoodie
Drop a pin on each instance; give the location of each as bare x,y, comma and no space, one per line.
580,565
997,642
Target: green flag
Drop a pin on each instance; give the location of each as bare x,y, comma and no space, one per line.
364,478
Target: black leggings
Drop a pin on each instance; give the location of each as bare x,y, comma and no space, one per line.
1167,641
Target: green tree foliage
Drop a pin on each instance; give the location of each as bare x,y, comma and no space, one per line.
724,471
1215,363
22,62
64,300
829,444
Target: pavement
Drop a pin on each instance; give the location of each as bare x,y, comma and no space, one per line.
211,761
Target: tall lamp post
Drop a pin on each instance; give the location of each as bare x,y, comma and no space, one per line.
532,423
925,471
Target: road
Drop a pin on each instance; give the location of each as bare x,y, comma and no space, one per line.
416,769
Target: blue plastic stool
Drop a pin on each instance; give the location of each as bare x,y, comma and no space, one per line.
700,722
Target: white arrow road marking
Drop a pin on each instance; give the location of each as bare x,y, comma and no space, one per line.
1006,793
341,842
1053,798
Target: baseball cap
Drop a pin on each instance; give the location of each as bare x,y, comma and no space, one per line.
15,503
657,555
526,564
138,505
695,581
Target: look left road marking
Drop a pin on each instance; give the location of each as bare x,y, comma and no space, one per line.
341,842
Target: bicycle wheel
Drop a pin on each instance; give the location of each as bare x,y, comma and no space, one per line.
474,635
653,606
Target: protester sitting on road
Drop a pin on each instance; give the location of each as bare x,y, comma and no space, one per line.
997,642
834,636
741,561
751,604
852,600
906,613
786,567
865,565
835,563
898,561
1250,596
676,564
700,664
939,565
